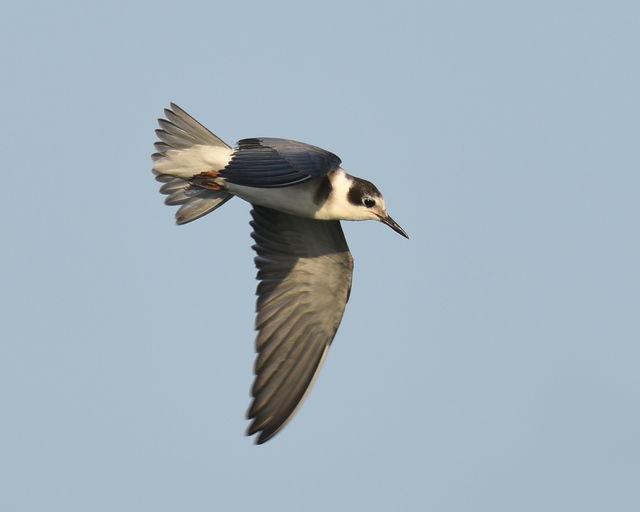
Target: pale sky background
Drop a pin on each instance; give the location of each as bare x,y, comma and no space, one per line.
489,363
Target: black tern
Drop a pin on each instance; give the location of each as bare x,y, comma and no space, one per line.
299,194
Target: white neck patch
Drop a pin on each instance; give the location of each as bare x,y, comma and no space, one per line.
337,206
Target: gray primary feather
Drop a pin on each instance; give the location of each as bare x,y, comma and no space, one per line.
181,131
305,268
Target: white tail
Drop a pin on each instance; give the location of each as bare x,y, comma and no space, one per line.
187,148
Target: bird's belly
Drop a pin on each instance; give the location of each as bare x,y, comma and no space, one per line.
295,200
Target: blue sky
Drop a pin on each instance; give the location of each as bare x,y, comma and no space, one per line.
488,363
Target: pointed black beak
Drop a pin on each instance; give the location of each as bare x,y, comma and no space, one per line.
394,225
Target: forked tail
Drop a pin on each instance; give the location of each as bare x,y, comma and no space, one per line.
187,149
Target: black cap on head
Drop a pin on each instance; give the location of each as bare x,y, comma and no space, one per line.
360,189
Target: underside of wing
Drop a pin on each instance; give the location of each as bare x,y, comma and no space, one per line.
304,269
270,162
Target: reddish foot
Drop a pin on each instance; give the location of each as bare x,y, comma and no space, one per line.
205,180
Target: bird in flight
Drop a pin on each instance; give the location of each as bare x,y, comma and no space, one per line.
299,194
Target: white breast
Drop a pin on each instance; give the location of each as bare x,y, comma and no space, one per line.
296,199
302,200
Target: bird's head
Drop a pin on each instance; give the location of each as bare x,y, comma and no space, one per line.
365,202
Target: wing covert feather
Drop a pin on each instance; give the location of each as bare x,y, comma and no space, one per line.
268,162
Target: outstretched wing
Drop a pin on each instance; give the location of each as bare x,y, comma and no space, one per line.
269,162
305,268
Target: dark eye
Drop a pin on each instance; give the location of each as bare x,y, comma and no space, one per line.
369,203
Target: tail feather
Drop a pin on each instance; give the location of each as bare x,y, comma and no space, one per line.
188,124
185,149
198,206
194,201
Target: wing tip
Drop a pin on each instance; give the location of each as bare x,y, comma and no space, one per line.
264,433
